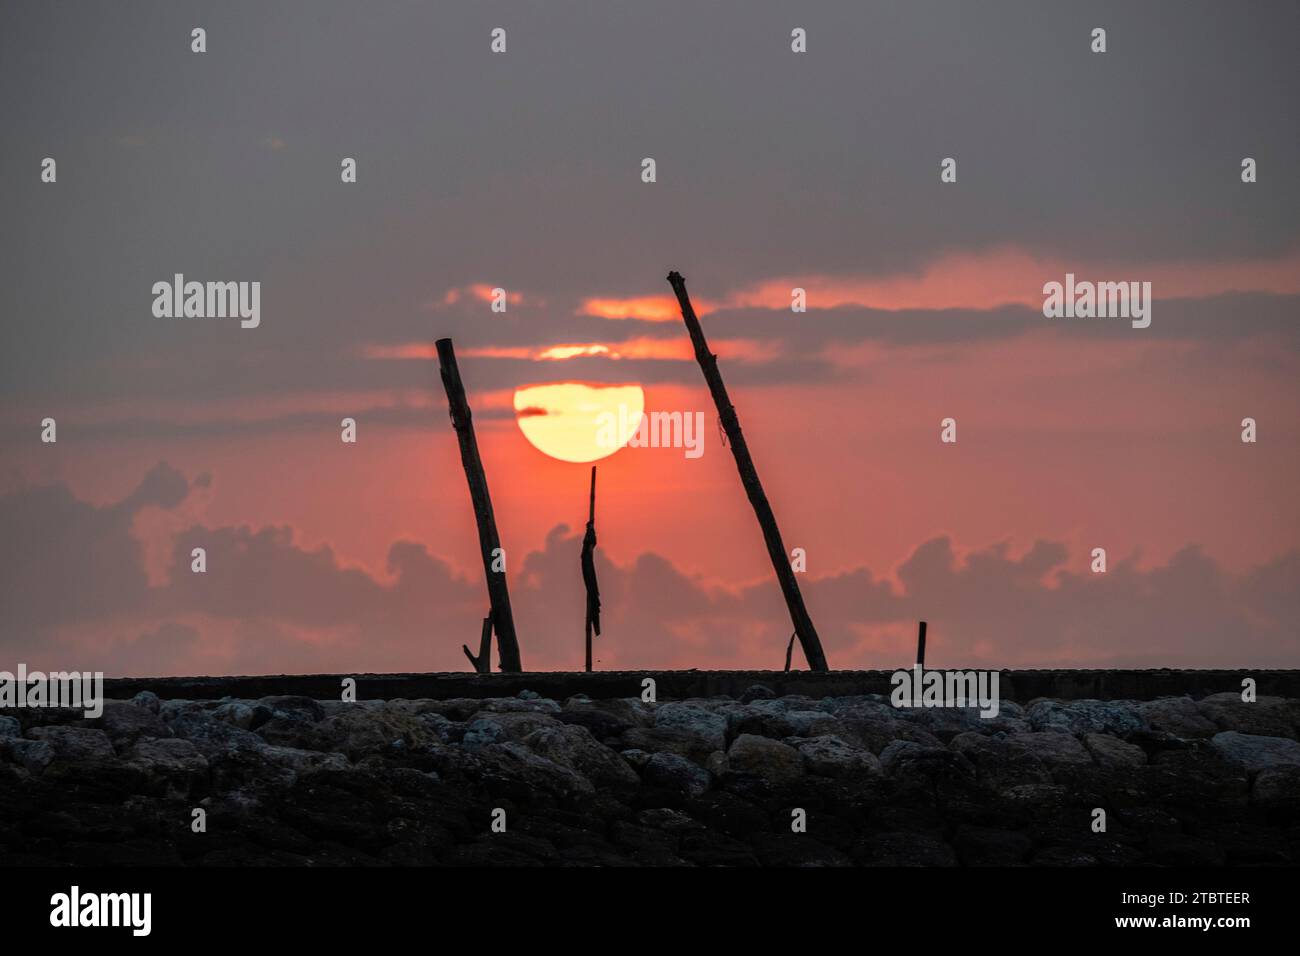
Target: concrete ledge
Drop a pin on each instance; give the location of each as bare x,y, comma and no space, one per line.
1017,685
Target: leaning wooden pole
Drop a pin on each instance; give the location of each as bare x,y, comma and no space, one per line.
503,621
803,625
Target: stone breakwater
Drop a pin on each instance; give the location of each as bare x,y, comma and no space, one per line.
618,782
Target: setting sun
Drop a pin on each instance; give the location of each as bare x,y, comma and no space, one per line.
566,420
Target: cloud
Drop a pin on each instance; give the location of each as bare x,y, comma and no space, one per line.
74,586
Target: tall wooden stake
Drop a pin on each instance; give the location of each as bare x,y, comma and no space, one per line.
803,625
920,646
589,569
503,621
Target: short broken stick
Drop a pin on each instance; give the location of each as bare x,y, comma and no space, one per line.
789,650
483,663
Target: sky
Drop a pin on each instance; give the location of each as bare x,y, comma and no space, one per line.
523,170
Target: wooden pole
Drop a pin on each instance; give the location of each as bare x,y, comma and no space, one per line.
920,646
589,569
483,663
503,621
803,625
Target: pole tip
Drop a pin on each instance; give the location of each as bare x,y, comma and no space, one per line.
675,277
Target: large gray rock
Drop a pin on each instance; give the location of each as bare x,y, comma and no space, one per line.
126,722
168,757
1277,788
710,728
1114,753
999,763
1119,717
1255,753
574,747
293,708
1053,748
33,755
359,732
214,737
75,743
244,714
513,705
489,727
1180,716
518,762
673,740
829,756
770,759
1264,717
875,734
676,773
148,700
9,727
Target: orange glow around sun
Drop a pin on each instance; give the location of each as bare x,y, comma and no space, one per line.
579,423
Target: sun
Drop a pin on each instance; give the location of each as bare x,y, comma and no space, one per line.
575,422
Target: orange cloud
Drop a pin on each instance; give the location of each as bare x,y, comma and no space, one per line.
1012,276
677,349
649,308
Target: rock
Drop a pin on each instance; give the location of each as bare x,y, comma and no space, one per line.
168,757
1000,764
829,756
663,818
148,700
336,708
1119,717
810,723
492,727
360,731
127,722
9,727
876,734
76,743
1053,748
574,747
294,708
513,705
601,723
533,771
291,732
676,773
214,737
757,692
1264,717
1180,716
528,695
769,759
1277,788
244,714
637,758
946,723
1255,753
169,710
1112,752
709,728
717,764
667,740
34,755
